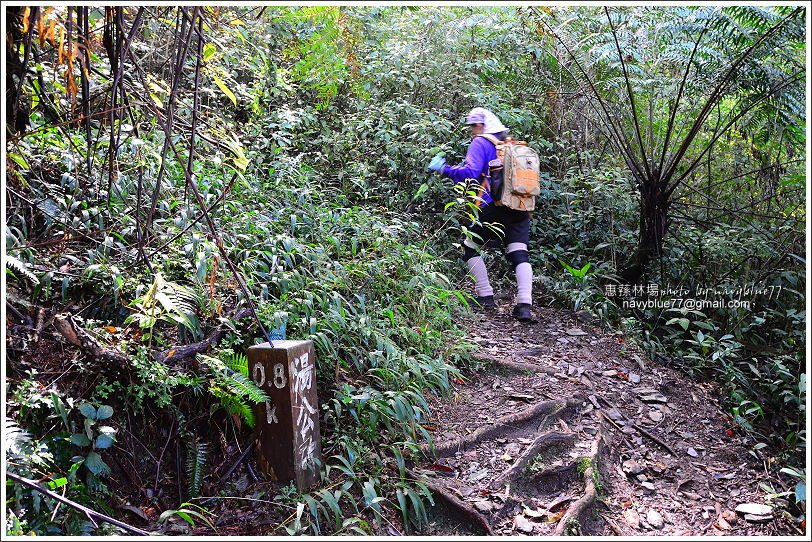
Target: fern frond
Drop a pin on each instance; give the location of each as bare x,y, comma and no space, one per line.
235,405
196,454
21,268
237,362
242,386
16,440
232,374
232,386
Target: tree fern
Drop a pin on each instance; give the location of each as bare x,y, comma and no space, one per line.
196,455
735,69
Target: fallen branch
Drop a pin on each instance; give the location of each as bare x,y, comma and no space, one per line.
577,509
612,525
637,427
619,429
75,335
24,320
654,439
542,442
458,505
187,351
483,433
87,511
515,366
240,459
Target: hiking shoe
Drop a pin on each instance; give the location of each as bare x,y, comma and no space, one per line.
484,302
522,312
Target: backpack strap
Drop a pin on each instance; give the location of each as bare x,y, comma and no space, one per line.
485,182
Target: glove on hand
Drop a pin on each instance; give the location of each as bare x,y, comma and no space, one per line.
436,163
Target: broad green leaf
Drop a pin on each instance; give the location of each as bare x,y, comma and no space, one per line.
59,407
88,410
683,322
227,91
403,505
333,504
19,160
65,284
239,157
185,517
104,412
79,439
800,491
156,99
208,51
89,423
106,430
103,442
96,464
56,484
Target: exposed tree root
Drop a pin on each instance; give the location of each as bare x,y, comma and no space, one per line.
542,442
75,335
500,425
514,366
460,507
576,511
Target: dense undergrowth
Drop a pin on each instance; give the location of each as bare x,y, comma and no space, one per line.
312,128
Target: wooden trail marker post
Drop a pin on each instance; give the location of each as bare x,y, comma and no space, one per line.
289,443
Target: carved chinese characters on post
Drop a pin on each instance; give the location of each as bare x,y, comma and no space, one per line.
301,370
289,441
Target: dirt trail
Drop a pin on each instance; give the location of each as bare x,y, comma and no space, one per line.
570,431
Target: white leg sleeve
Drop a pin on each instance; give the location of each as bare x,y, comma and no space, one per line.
477,268
524,283
524,276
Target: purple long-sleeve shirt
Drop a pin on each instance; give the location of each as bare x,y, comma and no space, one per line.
480,152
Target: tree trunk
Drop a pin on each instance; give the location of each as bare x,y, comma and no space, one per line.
16,113
653,226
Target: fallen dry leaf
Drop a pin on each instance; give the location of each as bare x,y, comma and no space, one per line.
442,469
552,518
531,513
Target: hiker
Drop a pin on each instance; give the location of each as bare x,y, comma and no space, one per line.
513,224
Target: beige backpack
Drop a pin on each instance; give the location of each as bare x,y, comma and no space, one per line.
514,175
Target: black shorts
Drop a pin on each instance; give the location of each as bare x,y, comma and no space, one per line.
501,226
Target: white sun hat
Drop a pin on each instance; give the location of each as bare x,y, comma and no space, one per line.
480,115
